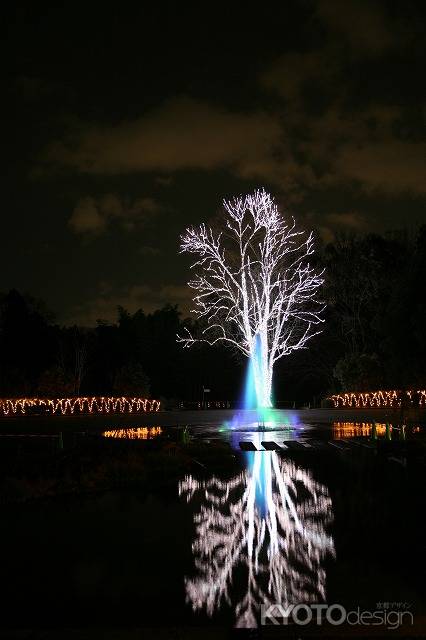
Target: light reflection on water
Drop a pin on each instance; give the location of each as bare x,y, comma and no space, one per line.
261,418
353,429
137,433
263,424
269,521
371,429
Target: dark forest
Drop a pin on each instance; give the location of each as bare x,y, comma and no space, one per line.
373,337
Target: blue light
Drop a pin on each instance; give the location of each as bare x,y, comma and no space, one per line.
249,398
261,475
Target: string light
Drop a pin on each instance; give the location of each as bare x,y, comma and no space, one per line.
381,398
84,404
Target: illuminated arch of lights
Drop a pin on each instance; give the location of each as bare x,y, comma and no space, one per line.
371,399
77,405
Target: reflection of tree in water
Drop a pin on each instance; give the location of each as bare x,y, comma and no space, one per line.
270,520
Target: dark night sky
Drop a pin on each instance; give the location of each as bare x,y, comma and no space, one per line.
126,124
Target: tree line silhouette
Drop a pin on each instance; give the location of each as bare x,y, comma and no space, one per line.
373,337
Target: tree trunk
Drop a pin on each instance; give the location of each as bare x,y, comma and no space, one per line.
262,379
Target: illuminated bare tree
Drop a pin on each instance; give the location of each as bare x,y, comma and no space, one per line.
281,542
256,289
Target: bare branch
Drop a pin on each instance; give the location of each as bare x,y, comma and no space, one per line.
255,286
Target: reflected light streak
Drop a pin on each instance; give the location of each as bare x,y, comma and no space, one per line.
270,520
356,429
137,433
352,429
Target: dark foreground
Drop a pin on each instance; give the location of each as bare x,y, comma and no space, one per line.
46,424
98,534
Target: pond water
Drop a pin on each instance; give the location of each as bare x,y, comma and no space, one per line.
313,513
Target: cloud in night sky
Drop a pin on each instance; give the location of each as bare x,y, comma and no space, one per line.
92,215
147,250
341,145
320,101
181,134
334,147
347,220
311,135
390,165
315,133
361,23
